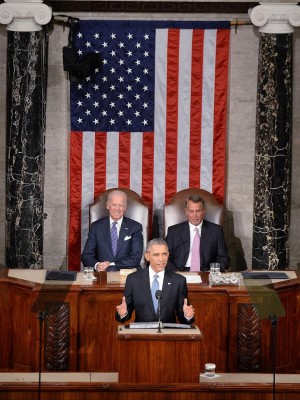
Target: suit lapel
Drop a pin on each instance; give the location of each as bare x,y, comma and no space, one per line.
204,240
147,291
185,237
166,289
106,236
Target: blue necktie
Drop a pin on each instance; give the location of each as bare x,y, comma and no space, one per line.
114,237
154,288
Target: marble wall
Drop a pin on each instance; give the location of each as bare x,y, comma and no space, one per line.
240,150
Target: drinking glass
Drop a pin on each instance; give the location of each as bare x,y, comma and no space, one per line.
88,273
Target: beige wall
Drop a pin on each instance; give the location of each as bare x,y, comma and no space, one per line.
240,152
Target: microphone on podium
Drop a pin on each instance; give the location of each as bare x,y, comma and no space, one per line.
158,295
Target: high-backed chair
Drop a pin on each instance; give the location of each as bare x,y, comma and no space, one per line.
136,209
174,211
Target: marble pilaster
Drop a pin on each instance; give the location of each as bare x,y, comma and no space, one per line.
25,151
272,183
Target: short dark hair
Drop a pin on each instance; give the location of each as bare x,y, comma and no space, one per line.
158,241
195,198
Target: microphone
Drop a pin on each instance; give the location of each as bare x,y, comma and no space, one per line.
158,295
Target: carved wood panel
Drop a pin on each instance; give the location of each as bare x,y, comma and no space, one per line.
249,343
57,337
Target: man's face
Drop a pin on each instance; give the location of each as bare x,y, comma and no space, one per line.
157,256
116,206
195,212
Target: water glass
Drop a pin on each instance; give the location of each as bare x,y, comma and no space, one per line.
88,273
210,370
215,268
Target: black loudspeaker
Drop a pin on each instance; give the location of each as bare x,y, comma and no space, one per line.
87,66
83,67
70,57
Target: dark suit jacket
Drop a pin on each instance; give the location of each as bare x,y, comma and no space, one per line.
138,297
212,246
129,248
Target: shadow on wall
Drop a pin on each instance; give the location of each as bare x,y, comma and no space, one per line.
234,244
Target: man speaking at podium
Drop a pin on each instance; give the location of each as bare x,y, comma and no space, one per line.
145,287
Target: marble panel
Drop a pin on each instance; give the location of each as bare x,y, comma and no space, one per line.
58,38
55,262
295,190
294,235
2,243
241,137
242,97
55,229
57,136
3,92
3,44
240,186
55,237
58,90
240,239
245,42
56,184
296,95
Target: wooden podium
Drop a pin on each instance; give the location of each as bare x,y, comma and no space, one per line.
146,356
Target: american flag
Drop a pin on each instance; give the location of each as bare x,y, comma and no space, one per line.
152,118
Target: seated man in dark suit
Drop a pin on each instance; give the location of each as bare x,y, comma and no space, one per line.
141,286
114,242
196,243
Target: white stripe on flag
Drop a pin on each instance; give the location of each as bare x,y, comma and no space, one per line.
87,193
112,160
208,98
136,156
184,108
161,43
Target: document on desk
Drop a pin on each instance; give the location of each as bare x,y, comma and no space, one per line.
191,277
154,325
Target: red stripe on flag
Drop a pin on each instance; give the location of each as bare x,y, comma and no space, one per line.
221,82
172,113
100,163
148,173
75,200
124,159
148,167
196,108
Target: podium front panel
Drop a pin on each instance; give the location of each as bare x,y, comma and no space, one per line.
146,356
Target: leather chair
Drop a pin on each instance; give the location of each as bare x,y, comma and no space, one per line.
136,209
174,211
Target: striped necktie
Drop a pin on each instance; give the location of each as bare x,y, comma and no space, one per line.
114,237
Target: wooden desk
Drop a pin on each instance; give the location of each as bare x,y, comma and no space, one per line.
86,386
146,356
79,332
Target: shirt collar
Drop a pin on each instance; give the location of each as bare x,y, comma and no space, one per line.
119,221
160,274
192,227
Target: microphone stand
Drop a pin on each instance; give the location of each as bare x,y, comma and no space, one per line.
159,317
41,316
274,320
158,295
